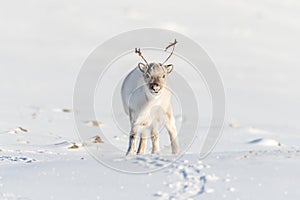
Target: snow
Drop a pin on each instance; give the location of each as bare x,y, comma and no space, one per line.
254,45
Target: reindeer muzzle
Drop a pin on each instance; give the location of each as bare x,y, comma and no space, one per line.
154,87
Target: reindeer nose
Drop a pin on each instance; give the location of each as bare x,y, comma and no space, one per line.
155,87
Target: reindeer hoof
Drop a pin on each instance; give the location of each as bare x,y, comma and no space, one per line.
140,153
155,152
131,153
175,151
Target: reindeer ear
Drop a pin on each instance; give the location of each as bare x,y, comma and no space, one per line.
169,68
143,67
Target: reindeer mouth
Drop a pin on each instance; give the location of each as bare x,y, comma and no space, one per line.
155,92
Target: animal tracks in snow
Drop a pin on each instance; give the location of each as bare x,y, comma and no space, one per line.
183,179
186,181
16,159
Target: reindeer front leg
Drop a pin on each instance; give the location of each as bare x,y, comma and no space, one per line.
132,141
171,127
143,142
133,135
155,140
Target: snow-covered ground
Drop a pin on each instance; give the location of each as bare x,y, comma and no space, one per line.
255,46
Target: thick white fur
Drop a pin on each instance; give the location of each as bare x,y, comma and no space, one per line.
147,112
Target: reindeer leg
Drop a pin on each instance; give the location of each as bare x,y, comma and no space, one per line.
155,140
132,142
143,143
171,127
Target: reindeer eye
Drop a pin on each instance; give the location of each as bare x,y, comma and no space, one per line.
164,76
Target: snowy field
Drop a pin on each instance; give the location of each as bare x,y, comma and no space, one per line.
255,46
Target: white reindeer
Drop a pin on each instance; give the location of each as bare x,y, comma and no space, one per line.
147,100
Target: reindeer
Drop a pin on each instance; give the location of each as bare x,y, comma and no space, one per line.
146,99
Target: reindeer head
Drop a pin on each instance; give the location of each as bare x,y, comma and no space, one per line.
156,74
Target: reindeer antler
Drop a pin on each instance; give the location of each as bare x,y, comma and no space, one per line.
138,51
170,45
